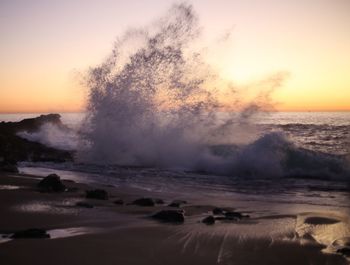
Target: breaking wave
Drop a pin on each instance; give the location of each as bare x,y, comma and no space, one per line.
155,102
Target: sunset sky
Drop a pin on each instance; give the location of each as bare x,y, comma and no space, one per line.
46,45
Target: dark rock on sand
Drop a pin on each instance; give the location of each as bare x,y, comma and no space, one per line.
344,251
84,204
144,202
177,203
119,202
317,220
209,220
229,215
218,211
51,183
31,233
98,194
15,148
235,215
169,216
220,218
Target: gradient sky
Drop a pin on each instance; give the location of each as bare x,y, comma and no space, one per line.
45,44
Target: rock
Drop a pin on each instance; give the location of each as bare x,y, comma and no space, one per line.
9,167
31,233
344,251
218,211
51,183
14,147
235,216
209,220
84,204
177,203
97,194
220,218
169,216
119,202
144,202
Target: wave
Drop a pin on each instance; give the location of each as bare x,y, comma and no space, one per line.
273,155
154,102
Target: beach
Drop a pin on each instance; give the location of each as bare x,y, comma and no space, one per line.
115,233
175,132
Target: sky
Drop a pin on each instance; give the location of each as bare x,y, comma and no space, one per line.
45,47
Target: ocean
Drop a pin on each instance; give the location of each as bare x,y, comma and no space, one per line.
317,146
327,132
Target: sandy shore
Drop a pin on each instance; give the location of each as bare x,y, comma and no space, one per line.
124,234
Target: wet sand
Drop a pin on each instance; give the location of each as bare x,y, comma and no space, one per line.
124,234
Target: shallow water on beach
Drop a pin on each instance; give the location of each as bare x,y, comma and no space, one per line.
281,190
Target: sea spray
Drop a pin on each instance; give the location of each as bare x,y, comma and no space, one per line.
53,135
156,106
155,102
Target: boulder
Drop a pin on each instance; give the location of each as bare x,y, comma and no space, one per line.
97,194
169,216
51,183
31,233
144,202
209,220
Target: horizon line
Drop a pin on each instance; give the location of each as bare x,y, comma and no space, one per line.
64,112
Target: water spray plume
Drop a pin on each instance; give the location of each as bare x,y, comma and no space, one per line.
156,102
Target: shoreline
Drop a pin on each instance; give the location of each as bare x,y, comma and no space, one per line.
110,233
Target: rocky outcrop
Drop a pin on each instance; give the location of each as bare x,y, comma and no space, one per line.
51,183
8,166
15,148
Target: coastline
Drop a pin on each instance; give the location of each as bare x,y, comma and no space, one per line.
110,233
